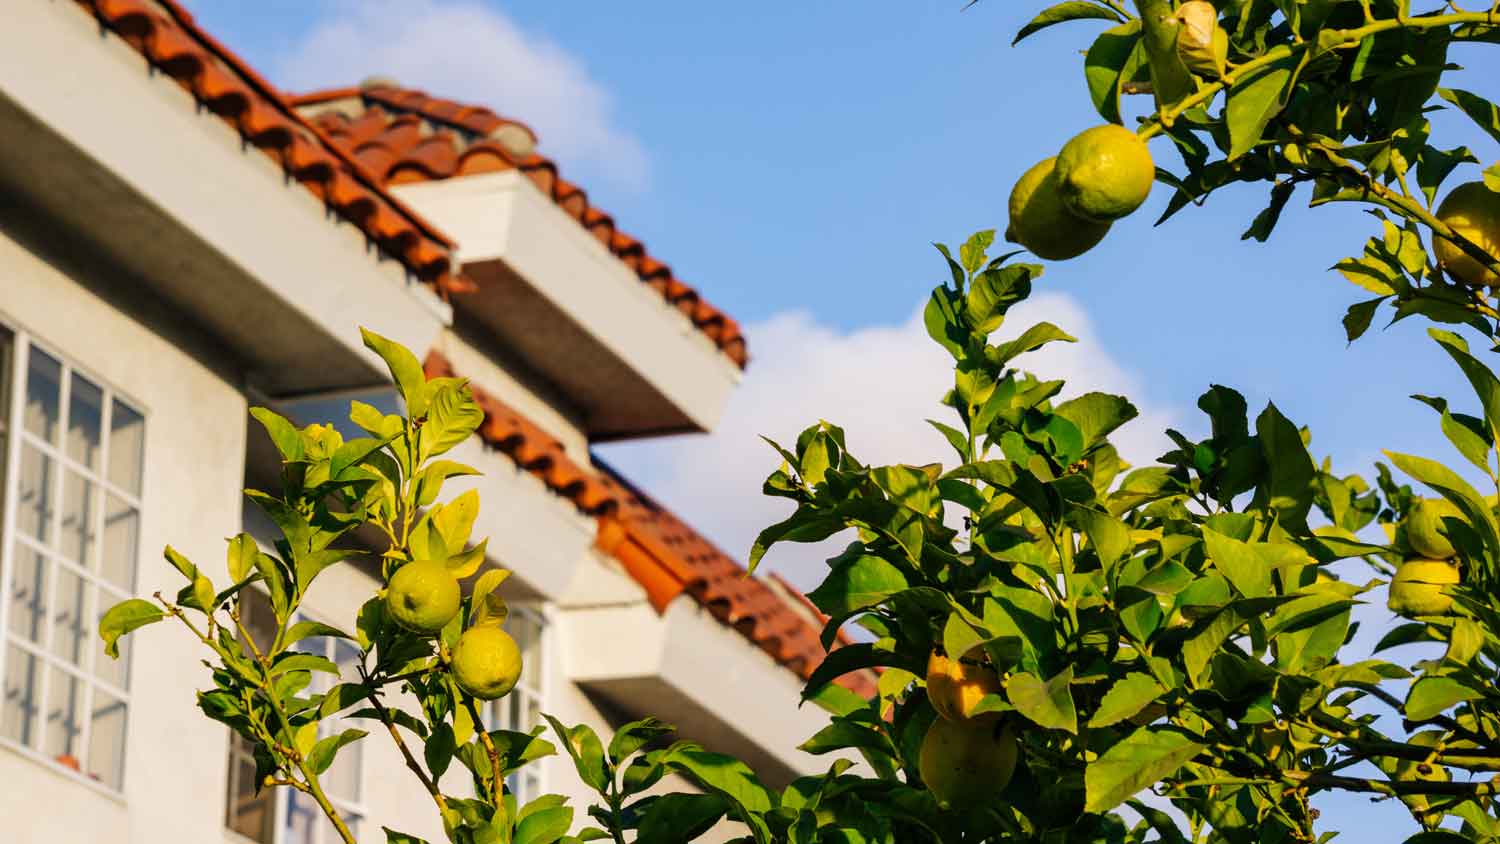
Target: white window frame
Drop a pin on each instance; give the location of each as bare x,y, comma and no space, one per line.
493,710
281,797
16,435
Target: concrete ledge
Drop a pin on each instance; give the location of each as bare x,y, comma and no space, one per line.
573,311
688,669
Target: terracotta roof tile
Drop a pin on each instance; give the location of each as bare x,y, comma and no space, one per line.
393,133
533,449
660,551
165,34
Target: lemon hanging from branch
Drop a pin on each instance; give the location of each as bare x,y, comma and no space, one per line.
1105,173
423,596
1472,210
1041,221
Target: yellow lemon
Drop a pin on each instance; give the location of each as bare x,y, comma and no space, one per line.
966,765
486,662
1419,588
1041,222
1105,172
1425,529
423,596
1473,211
955,687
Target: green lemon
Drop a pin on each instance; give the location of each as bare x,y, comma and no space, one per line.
966,765
1425,529
423,596
1473,211
486,662
1105,172
1041,222
1419,588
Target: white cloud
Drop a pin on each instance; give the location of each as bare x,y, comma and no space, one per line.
879,383
465,51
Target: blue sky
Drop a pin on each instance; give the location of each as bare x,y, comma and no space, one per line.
794,160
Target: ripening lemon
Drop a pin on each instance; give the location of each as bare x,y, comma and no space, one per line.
1041,222
966,765
486,662
1105,173
1472,210
955,687
1419,588
1425,528
423,596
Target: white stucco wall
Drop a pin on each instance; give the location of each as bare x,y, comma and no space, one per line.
175,780
175,773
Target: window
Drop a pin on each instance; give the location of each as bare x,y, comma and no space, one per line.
279,815
332,408
521,710
69,545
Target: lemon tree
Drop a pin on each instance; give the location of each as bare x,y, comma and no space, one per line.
1068,649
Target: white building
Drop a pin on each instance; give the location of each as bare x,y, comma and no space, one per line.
180,241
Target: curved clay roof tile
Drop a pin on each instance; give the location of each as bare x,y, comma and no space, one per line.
177,54
483,160
375,157
220,90
264,127
128,17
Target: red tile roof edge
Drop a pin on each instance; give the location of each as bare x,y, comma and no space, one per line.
167,36
657,549
397,153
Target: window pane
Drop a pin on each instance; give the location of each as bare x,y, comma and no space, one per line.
342,779
302,820
258,617
532,714
6,353
5,370
116,672
122,526
34,504
28,594
43,394
23,683
106,761
251,815
530,642
64,717
127,441
76,535
85,420
70,632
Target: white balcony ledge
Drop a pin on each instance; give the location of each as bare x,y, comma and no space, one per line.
572,312
688,669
